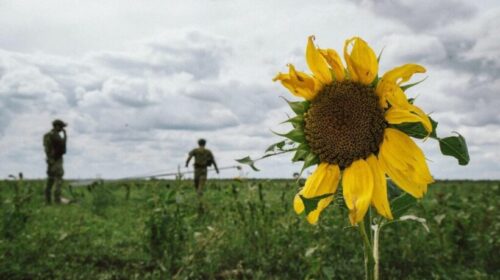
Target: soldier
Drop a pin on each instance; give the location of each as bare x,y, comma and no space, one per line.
55,148
203,158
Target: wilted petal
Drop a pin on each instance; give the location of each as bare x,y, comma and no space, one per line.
396,115
298,205
388,88
404,162
299,83
313,216
317,63
361,61
333,59
324,180
403,73
379,196
357,183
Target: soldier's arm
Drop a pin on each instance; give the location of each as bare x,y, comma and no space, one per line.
215,164
64,135
189,158
64,140
47,145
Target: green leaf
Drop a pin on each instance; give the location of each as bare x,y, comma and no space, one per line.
298,107
296,135
416,129
401,204
310,160
248,161
375,81
301,153
297,121
405,87
310,204
380,55
275,146
456,147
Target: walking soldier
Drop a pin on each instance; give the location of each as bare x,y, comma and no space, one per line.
55,148
203,158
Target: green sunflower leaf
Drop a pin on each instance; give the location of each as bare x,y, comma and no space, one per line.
295,134
310,204
405,87
456,147
375,81
380,55
301,153
297,121
416,129
248,161
310,160
298,107
275,146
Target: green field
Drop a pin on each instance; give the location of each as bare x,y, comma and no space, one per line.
242,230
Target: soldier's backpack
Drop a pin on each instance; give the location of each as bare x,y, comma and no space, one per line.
203,158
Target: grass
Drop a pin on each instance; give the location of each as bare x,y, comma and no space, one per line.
243,230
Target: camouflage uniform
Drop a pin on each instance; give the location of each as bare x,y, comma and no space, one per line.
55,148
202,159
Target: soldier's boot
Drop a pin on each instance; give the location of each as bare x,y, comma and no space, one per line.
57,192
48,191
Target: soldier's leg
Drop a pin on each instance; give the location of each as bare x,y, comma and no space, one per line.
59,173
196,180
202,181
48,189
57,193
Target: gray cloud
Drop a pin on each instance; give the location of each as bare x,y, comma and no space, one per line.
249,102
137,100
422,15
195,53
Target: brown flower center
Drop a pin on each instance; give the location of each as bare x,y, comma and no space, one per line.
345,123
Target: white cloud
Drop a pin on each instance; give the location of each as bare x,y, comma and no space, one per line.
139,84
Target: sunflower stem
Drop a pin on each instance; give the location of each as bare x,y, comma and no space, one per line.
376,235
368,252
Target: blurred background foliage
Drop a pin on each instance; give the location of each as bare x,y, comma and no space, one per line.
160,229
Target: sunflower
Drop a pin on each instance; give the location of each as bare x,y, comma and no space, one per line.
351,126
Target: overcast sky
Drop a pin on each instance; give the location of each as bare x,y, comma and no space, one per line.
140,81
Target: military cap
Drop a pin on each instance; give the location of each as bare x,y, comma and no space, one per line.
58,122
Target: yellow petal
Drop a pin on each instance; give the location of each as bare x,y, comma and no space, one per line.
333,59
299,83
390,93
397,115
402,110
324,180
388,88
379,196
361,62
424,119
403,73
313,216
357,183
404,162
317,63
298,205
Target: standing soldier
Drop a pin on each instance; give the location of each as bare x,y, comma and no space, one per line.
55,148
203,158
